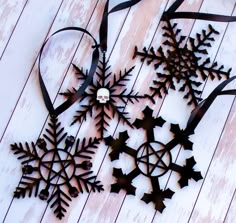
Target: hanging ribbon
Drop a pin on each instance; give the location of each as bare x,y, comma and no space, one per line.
172,14
199,112
80,91
104,24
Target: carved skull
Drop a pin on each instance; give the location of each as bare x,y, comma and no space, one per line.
103,95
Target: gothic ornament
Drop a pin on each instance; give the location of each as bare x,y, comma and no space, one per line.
153,159
55,174
182,63
104,95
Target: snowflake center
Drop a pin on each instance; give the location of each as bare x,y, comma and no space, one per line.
103,95
153,159
57,167
181,62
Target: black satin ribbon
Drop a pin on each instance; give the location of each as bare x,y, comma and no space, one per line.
199,112
95,58
104,24
172,14
80,91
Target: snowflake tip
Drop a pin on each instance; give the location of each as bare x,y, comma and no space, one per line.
135,52
212,29
123,182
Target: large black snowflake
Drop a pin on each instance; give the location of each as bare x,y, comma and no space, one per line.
103,96
153,159
64,172
182,63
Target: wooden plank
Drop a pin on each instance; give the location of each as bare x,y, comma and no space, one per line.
230,217
212,204
21,53
200,202
10,12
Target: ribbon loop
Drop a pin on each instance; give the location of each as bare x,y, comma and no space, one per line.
72,99
172,14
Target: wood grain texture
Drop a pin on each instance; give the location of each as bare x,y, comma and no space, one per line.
25,25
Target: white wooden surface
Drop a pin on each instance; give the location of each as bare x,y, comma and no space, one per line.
25,24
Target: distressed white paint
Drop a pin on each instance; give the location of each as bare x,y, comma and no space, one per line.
24,27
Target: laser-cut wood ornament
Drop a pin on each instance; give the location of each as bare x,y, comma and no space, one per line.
153,159
104,101
54,173
182,63
103,98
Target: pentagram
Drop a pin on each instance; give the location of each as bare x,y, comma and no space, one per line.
57,167
153,159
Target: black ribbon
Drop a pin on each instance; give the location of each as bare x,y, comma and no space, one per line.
172,14
80,91
95,58
199,112
104,24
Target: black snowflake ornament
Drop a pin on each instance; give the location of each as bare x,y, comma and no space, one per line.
103,96
153,159
182,63
64,172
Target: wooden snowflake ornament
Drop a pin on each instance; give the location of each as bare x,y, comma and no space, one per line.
153,159
103,95
182,63
50,168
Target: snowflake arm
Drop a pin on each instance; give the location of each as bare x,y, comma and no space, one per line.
25,153
82,114
203,40
213,71
157,196
87,182
120,82
122,115
129,97
54,135
119,146
187,172
27,184
84,149
59,201
124,181
80,76
103,69
102,120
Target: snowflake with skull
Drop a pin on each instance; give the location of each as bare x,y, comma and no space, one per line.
182,63
153,159
60,170
103,95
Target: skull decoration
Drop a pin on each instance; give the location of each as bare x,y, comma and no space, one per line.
103,95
